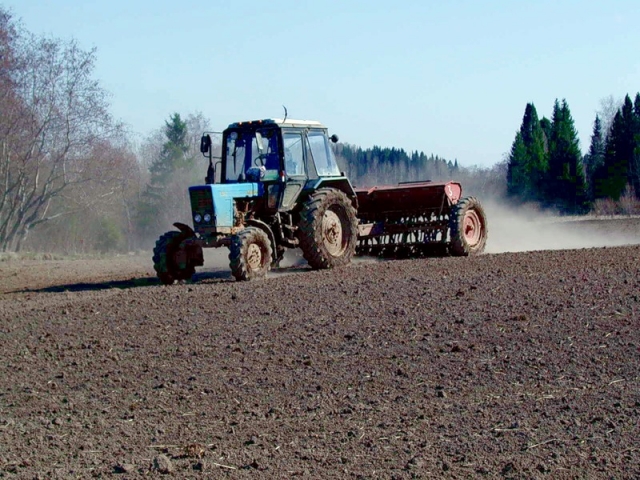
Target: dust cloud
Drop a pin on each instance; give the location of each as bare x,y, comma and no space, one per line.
522,229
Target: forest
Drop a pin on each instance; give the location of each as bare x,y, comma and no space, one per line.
75,180
546,166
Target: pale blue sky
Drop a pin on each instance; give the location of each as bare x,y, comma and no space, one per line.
449,78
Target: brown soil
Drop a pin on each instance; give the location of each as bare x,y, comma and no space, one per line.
514,365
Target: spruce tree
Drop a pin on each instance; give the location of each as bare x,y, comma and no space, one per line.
595,158
172,157
552,186
566,183
538,161
517,168
169,164
620,166
545,124
611,177
527,162
634,167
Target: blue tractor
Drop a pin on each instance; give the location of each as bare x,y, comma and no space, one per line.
275,186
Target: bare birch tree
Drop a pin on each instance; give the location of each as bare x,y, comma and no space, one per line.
54,115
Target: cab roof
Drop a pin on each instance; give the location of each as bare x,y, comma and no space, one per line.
289,122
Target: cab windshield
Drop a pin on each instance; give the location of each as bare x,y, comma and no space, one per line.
250,148
323,157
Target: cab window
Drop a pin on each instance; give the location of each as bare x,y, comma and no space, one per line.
247,148
293,156
322,155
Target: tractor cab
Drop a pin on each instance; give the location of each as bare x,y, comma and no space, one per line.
281,155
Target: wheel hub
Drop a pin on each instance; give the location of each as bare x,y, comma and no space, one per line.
472,228
254,257
332,232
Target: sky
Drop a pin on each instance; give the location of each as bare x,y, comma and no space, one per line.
449,78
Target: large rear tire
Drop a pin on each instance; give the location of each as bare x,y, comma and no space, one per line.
468,228
250,254
328,229
164,258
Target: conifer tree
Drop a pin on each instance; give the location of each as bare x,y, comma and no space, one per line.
634,168
545,124
517,168
527,162
566,183
610,178
538,160
171,162
620,165
595,158
172,157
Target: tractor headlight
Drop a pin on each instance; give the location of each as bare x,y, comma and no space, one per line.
207,217
198,218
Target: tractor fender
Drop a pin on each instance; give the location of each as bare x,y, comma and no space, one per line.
339,183
266,229
190,245
186,229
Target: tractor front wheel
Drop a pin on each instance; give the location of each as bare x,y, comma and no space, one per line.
165,258
250,254
328,229
468,228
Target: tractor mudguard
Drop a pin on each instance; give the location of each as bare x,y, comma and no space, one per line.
339,183
186,229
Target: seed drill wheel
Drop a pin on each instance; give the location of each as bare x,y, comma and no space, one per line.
328,230
164,258
250,254
468,227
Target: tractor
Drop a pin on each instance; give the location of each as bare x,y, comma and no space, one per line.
277,186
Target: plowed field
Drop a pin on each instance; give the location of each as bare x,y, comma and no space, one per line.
514,365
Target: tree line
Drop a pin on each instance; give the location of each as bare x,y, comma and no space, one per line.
367,167
546,166
390,166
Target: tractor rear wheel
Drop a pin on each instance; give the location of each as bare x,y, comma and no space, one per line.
467,227
164,258
250,254
328,229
